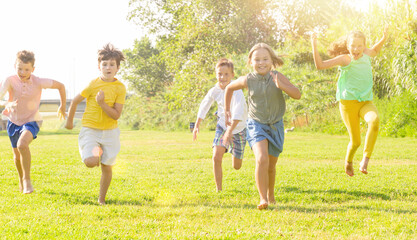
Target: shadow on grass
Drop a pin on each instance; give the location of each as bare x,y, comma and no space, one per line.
357,194
92,199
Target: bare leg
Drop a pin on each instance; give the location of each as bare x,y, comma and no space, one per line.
260,149
218,153
271,175
25,160
16,158
106,176
236,163
92,162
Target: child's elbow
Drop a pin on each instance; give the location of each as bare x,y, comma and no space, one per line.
297,95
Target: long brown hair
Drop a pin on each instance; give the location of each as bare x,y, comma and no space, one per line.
276,60
339,46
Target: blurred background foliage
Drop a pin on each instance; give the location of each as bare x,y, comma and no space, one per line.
171,69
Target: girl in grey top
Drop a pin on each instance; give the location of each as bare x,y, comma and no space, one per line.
265,129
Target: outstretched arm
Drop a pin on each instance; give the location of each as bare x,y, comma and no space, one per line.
71,112
114,112
63,98
341,60
374,50
240,83
197,128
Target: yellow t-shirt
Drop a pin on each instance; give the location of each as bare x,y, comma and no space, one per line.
94,116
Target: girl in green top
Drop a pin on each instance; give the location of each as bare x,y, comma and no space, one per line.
354,90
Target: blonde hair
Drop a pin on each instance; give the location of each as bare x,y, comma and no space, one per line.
276,60
339,46
225,62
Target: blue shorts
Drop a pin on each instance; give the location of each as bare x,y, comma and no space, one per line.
237,147
14,131
274,133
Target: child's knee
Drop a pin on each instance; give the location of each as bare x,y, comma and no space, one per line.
217,159
373,123
236,163
92,162
262,161
355,144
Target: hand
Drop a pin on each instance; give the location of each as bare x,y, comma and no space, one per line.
10,105
69,124
228,117
386,29
195,132
61,113
314,37
276,79
227,137
100,97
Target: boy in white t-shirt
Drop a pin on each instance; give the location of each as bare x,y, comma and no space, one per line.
227,139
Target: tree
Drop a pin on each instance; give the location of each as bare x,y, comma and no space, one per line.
193,35
144,70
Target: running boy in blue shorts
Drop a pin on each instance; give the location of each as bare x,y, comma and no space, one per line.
227,139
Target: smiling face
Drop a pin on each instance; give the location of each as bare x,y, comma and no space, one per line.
24,70
108,69
261,61
224,75
356,46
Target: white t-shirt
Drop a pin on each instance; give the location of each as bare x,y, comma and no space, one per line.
238,107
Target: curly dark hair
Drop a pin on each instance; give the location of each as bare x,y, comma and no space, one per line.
110,52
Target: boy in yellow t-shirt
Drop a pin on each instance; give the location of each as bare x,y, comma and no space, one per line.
99,136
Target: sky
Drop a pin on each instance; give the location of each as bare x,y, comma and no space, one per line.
65,37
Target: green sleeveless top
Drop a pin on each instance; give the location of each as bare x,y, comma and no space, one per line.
265,100
355,80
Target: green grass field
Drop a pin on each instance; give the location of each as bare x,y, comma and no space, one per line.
163,188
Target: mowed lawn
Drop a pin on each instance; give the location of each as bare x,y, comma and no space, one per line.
163,188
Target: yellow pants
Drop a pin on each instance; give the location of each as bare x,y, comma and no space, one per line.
352,111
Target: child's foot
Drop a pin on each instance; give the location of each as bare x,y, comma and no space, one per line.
262,205
20,185
364,165
349,168
27,187
271,200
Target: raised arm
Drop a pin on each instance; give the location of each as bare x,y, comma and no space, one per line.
341,60
71,112
63,98
240,83
374,50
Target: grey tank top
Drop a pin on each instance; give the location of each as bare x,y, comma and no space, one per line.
266,101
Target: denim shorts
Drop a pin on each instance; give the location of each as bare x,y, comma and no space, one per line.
14,131
237,147
274,133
